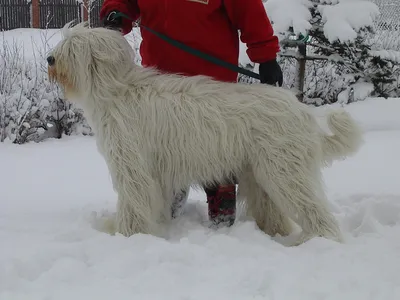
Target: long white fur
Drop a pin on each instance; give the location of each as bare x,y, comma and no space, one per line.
160,133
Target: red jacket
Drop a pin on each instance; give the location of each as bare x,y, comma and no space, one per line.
210,26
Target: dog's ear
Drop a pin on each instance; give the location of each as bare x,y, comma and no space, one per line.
107,46
70,27
110,55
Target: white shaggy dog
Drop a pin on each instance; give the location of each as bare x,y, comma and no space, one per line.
160,133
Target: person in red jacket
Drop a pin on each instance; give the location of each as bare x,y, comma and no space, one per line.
211,26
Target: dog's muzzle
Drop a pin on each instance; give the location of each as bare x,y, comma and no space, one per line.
51,60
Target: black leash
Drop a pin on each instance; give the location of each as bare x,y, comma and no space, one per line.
195,52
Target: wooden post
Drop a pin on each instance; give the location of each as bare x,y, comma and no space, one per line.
35,14
302,47
85,8
301,58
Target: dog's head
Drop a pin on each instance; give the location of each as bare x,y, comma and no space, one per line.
89,59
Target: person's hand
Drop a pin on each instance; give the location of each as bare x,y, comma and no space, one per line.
271,73
112,21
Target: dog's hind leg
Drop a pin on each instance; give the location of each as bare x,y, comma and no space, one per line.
179,200
294,185
268,216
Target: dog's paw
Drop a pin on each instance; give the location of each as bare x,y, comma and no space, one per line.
129,226
301,239
125,229
305,237
282,227
104,222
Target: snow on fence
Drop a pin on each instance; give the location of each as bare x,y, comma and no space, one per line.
389,18
387,36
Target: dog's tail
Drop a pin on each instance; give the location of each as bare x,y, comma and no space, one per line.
346,139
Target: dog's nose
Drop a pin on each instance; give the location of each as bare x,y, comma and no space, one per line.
51,60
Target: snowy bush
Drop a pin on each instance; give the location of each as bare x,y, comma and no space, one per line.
31,109
343,63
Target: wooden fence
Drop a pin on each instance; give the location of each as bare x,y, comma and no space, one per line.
94,13
53,14
14,14
47,13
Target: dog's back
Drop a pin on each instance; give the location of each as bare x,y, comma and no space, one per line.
214,125
235,111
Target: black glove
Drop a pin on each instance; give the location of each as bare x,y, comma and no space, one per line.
271,73
112,22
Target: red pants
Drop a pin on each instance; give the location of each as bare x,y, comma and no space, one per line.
221,201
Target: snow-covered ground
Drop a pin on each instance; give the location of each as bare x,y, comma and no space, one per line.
54,195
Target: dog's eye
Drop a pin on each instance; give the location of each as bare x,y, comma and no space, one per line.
51,60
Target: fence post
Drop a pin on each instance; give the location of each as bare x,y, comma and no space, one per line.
302,48
35,14
85,8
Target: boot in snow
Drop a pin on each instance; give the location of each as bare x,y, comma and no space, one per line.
222,204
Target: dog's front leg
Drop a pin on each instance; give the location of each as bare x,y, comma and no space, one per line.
140,201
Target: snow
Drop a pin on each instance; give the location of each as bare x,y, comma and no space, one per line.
361,91
342,21
289,13
37,42
32,41
391,55
55,195
342,18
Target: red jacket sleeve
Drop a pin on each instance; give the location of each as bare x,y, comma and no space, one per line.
250,17
127,7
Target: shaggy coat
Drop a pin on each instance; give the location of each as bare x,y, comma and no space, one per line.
159,133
